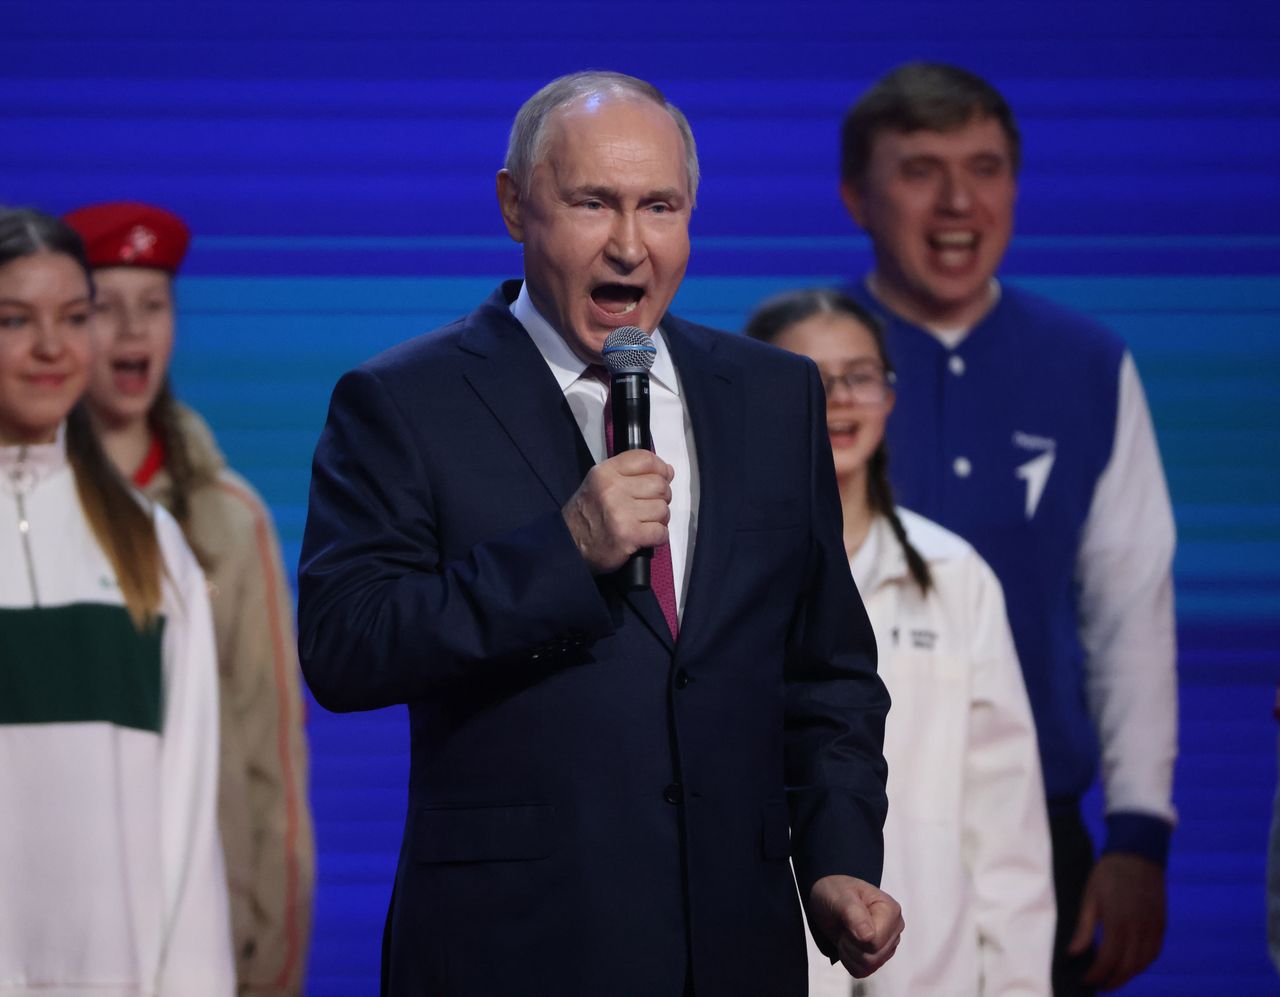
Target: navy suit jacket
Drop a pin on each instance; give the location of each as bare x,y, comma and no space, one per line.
594,809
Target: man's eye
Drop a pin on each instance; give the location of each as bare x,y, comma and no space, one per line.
12,321
78,319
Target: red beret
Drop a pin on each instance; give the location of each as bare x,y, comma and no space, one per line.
128,234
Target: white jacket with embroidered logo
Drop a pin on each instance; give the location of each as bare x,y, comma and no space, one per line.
966,841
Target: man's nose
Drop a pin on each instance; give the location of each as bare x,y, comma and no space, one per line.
626,245
955,196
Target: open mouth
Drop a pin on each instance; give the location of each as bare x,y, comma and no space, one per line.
954,249
842,434
617,299
130,376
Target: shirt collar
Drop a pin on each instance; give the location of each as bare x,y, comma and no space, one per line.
880,560
565,364
948,336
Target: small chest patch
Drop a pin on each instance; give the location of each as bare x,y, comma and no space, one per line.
923,640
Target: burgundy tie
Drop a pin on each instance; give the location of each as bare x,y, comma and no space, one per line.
661,577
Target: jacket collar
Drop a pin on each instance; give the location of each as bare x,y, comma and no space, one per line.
509,374
889,563
23,467
207,461
712,392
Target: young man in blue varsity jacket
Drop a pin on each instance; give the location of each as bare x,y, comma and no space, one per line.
1023,427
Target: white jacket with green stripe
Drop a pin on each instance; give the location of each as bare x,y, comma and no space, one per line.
110,862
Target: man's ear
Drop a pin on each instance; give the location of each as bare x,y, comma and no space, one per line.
853,201
511,205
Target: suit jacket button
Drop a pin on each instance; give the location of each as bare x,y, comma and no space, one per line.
683,678
673,793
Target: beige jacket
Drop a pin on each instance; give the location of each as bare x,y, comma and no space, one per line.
262,794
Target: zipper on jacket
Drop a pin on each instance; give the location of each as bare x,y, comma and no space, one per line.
21,482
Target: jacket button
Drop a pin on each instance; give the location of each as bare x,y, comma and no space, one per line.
674,793
683,678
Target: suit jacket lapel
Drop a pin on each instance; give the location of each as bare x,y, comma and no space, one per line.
711,388
512,379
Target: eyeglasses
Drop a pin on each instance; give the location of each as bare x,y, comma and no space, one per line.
865,384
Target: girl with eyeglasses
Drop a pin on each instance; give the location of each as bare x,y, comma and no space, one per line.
966,840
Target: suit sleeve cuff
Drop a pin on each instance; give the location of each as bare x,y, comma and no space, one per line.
1139,834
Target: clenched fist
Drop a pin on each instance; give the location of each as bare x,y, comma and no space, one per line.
622,505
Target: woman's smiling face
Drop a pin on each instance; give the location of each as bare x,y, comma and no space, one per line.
859,398
46,311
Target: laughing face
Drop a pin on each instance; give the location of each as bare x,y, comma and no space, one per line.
938,207
44,344
133,338
846,354
605,223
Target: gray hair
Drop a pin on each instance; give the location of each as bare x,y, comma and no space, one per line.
525,146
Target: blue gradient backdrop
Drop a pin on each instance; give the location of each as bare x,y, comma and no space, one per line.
336,162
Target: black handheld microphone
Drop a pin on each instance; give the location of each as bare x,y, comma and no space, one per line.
629,353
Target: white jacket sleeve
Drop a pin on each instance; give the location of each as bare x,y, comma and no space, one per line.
196,960
1005,835
1124,570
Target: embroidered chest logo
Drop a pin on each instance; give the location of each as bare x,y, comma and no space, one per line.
923,640
1035,472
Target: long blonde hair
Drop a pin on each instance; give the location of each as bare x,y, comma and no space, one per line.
120,523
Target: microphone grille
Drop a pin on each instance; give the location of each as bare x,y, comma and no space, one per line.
629,350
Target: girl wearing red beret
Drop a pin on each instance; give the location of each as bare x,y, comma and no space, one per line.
168,451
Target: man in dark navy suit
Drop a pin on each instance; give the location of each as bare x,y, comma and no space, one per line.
606,784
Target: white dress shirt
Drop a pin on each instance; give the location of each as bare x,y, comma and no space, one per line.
668,418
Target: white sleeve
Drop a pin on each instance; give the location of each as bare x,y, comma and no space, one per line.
1124,570
197,959
1005,835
